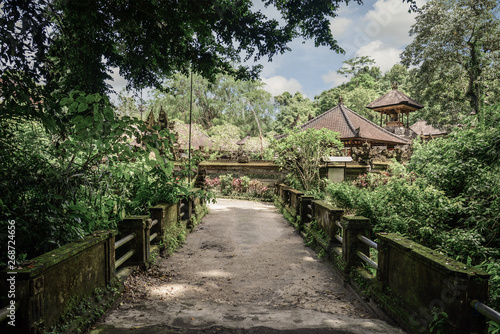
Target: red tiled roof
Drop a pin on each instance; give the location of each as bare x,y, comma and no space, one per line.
351,125
392,98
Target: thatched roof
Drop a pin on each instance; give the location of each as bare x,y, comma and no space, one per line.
422,128
393,98
198,137
353,127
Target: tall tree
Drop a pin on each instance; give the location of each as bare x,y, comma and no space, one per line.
365,85
457,52
292,111
69,45
301,153
223,100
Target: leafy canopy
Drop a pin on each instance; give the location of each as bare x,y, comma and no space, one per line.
301,152
457,54
224,100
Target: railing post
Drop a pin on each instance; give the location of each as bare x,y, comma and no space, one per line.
295,201
110,257
277,189
286,193
159,212
184,211
282,193
306,211
192,212
141,227
335,215
351,244
383,261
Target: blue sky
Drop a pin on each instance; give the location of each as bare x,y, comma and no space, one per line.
378,29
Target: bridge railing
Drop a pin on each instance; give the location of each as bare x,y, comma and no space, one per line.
486,311
52,281
408,280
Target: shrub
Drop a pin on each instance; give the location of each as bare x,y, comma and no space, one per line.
237,185
226,184
400,203
300,152
244,186
212,183
245,180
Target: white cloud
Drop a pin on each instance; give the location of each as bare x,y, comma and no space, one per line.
117,82
384,55
277,85
335,78
339,25
390,21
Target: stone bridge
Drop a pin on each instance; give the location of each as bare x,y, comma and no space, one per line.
243,270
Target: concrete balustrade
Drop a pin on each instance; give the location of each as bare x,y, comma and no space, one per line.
407,280
166,215
50,284
424,279
45,286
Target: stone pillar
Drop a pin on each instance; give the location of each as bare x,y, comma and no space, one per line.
286,196
141,227
304,211
158,212
353,226
109,254
335,215
184,209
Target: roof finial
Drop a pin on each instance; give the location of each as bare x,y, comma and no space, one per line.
394,85
341,99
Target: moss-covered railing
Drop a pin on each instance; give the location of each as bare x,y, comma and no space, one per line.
415,285
47,287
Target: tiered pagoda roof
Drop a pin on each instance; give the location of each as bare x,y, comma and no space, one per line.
394,98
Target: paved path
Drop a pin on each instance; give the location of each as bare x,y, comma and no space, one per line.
243,270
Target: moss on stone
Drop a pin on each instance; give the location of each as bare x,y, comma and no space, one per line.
39,264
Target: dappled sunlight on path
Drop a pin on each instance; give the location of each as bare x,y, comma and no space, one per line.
243,267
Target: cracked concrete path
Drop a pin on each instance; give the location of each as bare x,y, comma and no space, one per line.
243,270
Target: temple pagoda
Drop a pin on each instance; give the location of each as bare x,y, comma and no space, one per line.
395,105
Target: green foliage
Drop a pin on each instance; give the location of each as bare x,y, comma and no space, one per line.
59,187
175,236
293,111
356,65
438,323
457,162
74,45
226,184
456,58
366,84
493,328
216,102
447,198
300,153
465,165
224,137
229,185
398,203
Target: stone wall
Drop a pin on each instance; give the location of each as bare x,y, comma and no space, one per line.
406,279
50,284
